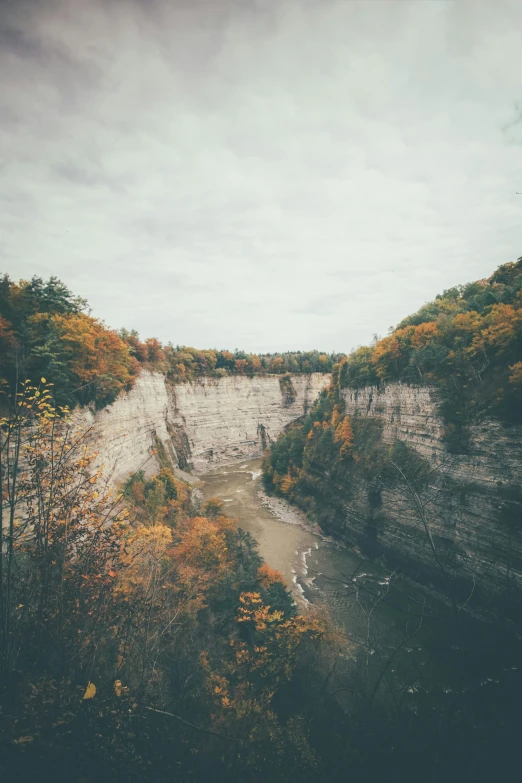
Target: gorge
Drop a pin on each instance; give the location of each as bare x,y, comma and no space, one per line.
475,500
260,391
195,424
372,580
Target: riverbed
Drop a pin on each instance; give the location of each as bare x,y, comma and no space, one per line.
379,613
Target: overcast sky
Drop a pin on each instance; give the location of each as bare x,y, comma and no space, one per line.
259,174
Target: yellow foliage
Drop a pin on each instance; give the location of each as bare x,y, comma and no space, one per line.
336,416
344,435
287,482
267,576
503,325
90,691
516,375
423,334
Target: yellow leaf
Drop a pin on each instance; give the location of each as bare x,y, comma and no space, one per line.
21,740
90,691
117,687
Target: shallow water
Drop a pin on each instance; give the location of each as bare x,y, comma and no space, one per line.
320,570
317,568
283,546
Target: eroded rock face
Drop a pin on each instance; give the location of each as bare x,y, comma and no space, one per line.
474,504
195,425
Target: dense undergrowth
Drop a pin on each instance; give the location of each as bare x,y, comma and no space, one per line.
467,344
47,331
319,461
143,639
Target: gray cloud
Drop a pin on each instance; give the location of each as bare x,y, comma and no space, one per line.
262,175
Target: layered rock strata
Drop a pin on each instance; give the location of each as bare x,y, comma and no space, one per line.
473,504
196,425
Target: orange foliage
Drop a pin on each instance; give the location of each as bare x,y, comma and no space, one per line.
6,335
336,416
154,350
287,482
467,322
344,435
384,352
503,325
241,365
94,354
255,361
201,555
244,684
423,334
267,576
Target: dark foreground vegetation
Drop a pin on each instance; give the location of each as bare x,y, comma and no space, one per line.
47,331
467,345
142,639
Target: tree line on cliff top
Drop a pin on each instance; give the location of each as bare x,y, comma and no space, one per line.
467,343
46,330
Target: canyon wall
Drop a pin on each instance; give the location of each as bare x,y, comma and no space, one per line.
473,503
196,425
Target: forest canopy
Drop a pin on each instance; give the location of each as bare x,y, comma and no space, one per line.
45,330
467,343
182,363
120,611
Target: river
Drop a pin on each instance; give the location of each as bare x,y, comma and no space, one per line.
380,614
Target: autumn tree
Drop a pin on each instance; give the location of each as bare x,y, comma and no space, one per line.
61,535
240,366
344,436
244,682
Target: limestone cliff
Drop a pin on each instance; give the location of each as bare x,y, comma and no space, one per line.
198,424
475,503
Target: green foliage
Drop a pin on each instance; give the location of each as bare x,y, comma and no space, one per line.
467,343
182,363
117,615
287,389
319,461
162,498
44,332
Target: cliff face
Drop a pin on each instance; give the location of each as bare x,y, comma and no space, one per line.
473,503
196,425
